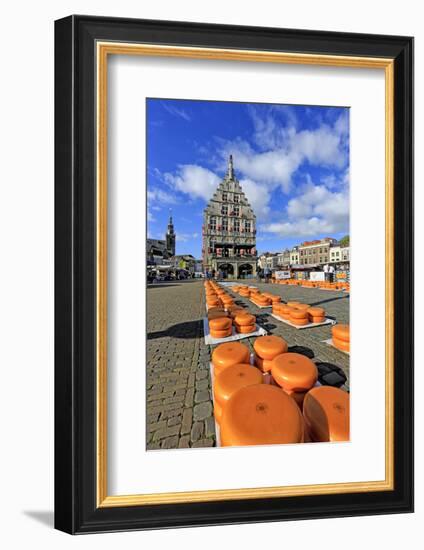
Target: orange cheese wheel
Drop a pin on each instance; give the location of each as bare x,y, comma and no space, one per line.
235,312
245,319
217,411
245,329
229,353
263,301
299,322
220,323
293,304
264,364
341,345
316,319
299,314
275,299
316,312
294,372
221,333
326,413
285,311
268,347
233,378
261,415
341,332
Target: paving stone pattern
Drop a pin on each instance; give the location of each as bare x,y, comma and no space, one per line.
179,394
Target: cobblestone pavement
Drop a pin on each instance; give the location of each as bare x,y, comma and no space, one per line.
179,395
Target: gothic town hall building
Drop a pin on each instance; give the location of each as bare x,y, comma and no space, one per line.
229,231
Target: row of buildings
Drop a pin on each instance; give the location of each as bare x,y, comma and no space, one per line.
161,255
308,255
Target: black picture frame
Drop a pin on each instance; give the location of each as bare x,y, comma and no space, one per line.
76,510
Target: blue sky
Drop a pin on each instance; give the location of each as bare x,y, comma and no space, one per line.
292,162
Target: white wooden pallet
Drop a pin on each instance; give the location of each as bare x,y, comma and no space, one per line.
310,325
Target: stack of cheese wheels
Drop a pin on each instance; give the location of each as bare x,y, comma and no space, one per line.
261,415
229,381
220,327
277,308
341,337
284,311
216,312
245,323
228,354
295,373
316,314
266,348
299,316
326,414
261,300
244,292
274,298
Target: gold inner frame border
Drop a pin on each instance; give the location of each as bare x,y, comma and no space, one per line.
103,50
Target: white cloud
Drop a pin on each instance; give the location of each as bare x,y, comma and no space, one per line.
193,180
258,196
317,211
159,195
284,149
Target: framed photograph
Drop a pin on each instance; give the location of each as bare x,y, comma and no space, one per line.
234,274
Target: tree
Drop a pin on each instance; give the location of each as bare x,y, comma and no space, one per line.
344,241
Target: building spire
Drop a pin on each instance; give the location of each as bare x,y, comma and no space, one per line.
230,171
170,223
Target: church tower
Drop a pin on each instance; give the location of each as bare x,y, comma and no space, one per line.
170,237
229,230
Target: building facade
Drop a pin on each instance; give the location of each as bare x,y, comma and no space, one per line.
284,259
294,256
315,253
339,254
229,230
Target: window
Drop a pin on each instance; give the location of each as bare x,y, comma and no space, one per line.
224,210
213,224
225,224
236,198
236,225
224,197
247,226
236,211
